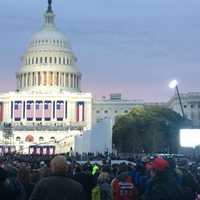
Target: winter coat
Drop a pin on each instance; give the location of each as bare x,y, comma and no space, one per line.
58,187
163,187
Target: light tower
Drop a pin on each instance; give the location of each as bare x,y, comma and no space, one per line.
174,85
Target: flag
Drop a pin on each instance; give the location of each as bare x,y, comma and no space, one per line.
47,110
60,110
30,110
31,150
51,150
80,112
17,110
1,111
39,110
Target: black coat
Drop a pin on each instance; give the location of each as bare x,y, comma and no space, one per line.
58,187
164,187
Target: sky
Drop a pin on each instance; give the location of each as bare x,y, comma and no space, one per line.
133,47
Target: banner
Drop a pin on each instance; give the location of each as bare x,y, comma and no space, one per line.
17,110
80,116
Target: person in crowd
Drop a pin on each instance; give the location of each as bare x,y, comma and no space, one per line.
14,183
24,177
162,185
5,191
58,186
123,185
85,179
103,190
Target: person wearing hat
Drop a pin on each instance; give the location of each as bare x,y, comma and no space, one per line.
162,185
58,186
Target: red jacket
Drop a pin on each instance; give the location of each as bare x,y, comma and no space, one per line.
124,190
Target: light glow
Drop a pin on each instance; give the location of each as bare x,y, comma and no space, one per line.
189,137
173,84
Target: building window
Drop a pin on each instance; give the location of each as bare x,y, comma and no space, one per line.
41,60
29,138
116,111
32,60
45,78
18,139
50,60
98,111
63,61
36,61
192,106
185,106
51,78
45,60
105,111
55,60
41,139
126,111
39,78
60,61
57,78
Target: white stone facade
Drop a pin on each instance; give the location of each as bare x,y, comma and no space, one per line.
191,106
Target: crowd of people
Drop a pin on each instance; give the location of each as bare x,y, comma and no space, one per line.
62,178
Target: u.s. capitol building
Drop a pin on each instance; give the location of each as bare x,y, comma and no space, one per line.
48,108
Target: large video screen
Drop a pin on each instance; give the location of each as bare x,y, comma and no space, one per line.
189,137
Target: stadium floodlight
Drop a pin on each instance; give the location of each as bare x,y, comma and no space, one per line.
173,84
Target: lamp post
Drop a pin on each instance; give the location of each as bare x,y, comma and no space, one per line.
174,85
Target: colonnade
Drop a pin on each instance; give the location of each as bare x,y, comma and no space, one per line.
46,78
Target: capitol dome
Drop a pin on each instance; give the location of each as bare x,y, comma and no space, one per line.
49,62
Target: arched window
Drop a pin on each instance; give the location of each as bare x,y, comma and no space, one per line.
53,139
41,139
18,139
29,138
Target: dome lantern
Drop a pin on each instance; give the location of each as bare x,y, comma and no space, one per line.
49,16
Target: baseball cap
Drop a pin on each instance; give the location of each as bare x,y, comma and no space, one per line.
160,164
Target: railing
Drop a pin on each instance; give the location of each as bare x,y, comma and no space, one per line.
44,127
